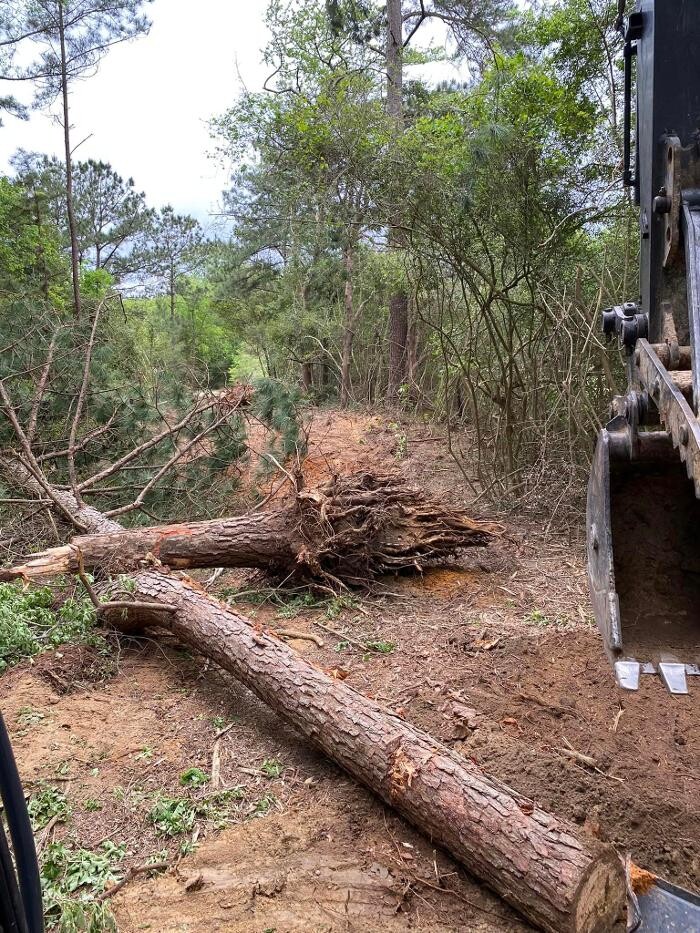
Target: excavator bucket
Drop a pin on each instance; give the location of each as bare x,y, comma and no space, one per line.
643,522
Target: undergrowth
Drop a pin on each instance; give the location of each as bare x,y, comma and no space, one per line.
72,879
31,622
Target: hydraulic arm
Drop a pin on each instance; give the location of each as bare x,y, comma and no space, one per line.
643,514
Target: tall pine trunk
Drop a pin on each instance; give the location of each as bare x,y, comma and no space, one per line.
74,252
398,301
350,316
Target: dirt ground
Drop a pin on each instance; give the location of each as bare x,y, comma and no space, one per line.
506,633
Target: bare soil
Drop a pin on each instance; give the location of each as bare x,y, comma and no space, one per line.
496,655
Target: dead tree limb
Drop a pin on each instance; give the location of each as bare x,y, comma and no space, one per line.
343,533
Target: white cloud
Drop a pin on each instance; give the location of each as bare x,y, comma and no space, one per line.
146,109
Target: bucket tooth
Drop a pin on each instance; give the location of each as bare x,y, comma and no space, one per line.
627,674
673,676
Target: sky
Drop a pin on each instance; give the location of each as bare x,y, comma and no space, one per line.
146,109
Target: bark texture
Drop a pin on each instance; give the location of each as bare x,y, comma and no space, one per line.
344,532
535,861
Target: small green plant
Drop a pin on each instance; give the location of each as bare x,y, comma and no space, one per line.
71,880
538,618
271,768
193,777
91,805
262,806
401,440
27,716
48,803
30,622
145,754
172,816
297,604
338,604
382,647
341,646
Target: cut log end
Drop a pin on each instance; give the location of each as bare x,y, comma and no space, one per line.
600,900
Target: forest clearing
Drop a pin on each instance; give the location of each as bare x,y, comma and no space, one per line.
348,566
495,655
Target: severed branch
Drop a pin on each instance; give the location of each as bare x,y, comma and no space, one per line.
178,455
41,388
211,401
81,403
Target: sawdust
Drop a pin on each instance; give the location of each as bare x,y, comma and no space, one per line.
642,881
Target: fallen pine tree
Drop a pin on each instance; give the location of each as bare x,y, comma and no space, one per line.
561,881
344,532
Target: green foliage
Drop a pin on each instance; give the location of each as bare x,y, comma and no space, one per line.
30,622
272,768
193,777
47,803
71,878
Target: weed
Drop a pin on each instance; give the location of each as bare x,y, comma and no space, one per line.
29,717
341,646
401,440
193,777
172,816
262,806
145,754
271,768
382,647
156,857
91,805
48,803
538,618
338,604
65,874
295,605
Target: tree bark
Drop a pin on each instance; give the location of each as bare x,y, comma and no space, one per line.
349,322
345,532
72,230
535,861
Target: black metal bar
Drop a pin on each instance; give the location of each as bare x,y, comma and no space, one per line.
21,835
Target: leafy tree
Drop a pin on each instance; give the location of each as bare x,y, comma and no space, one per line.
173,248
72,36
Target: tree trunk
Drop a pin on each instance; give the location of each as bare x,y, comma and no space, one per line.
534,860
398,301
305,377
349,322
74,252
345,532
171,288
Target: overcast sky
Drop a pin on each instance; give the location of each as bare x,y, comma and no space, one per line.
146,109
